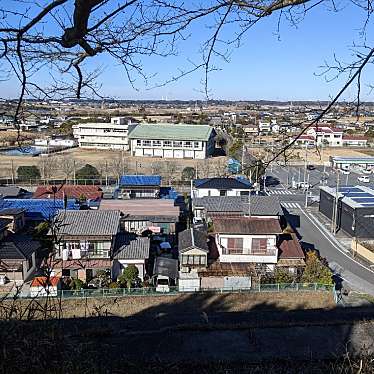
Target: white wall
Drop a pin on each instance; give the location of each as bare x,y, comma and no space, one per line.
201,192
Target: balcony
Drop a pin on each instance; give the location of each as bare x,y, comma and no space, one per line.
249,255
77,254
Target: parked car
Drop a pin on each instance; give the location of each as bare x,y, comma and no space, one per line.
364,179
310,167
345,172
303,185
366,171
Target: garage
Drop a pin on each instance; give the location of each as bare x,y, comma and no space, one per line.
236,283
168,153
148,152
178,153
158,152
188,154
189,283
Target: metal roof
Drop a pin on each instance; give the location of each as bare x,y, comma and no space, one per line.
166,266
11,191
140,180
192,238
18,247
88,222
171,132
131,247
259,205
353,196
38,209
247,226
223,183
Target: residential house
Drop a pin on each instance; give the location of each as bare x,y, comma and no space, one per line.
162,215
172,141
324,135
139,187
291,256
113,135
165,273
17,255
250,129
220,187
86,241
130,249
16,217
209,207
38,210
69,191
13,192
193,256
305,140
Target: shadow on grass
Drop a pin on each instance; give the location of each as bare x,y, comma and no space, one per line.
194,332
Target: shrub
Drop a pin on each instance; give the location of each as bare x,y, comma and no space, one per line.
113,285
26,172
316,270
87,172
129,276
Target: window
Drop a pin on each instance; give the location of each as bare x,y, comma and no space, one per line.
65,272
156,143
337,136
29,263
177,144
259,245
146,143
188,144
167,143
196,144
234,246
193,260
139,142
222,192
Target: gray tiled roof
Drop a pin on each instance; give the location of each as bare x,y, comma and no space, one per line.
88,222
157,219
18,247
260,205
10,191
192,238
131,247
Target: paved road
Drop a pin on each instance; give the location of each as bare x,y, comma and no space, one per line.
314,235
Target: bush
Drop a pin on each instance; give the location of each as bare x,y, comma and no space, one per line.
113,285
76,284
188,173
129,276
26,172
316,270
87,172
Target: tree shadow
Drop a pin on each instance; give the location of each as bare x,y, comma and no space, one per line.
199,329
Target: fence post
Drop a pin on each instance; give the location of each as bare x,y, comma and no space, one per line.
315,286
297,286
278,286
259,287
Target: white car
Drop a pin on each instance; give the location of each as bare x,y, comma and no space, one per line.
345,172
366,171
364,179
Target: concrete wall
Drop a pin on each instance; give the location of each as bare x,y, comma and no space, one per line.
360,250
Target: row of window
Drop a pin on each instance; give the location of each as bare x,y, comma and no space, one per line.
168,143
193,260
236,246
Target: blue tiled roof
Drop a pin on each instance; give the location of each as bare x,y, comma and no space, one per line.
140,180
38,209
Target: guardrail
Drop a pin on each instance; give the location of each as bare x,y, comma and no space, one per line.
151,291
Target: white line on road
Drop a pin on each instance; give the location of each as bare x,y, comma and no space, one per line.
335,244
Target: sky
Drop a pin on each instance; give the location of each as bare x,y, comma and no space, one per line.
266,66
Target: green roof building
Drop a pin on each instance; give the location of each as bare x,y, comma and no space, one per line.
172,141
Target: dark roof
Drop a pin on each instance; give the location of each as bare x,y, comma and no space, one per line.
223,183
11,211
224,269
140,180
11,191
88,222
70,191
18,247
166,266
131,247
37,209
289,247
260,205
192,238
4,222
246,226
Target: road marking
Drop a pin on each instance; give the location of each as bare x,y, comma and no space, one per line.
343,252
279,192
291,205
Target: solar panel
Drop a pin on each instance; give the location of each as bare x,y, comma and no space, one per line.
356,194
364,200
349,189
367,204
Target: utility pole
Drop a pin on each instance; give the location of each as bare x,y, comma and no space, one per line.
74,172
306,193
12,166
335,210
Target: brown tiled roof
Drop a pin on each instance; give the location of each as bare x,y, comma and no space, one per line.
246,225
225,269
43,281
289,247
83,264
71,191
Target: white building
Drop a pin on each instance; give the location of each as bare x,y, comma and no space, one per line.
329,136
113,135
172,141
59,142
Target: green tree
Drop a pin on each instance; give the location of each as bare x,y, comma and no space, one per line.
316,270
104,279
129,276
27,172
87,172
188,173
235,149
283,276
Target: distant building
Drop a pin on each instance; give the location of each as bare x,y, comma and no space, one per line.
354,141
172,141
346,163
139,186
113,135
324,135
